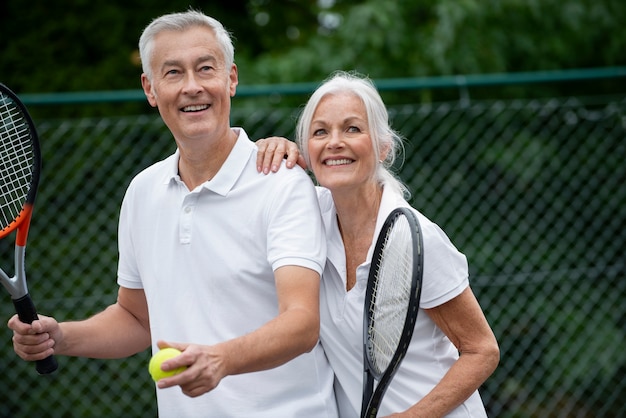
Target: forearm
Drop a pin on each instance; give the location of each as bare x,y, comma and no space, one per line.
290,334
463,322
294,331
113,333
121,330
463,378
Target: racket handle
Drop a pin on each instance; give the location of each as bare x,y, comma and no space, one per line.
27,313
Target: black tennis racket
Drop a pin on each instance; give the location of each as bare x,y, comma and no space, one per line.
20,167
391,304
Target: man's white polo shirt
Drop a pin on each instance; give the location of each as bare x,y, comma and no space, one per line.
205,259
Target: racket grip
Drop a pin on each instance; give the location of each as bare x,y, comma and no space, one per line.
27,313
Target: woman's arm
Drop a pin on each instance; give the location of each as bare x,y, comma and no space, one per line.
463,322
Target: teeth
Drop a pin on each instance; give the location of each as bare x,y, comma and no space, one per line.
338,162
195,108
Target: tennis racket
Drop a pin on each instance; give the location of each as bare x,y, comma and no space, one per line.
391,304
20,167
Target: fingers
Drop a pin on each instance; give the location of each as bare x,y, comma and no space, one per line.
31,341
179,346
292,154
33,347
163,344
192,383
182,360
196,388
301,161
271,152
200,375
22,328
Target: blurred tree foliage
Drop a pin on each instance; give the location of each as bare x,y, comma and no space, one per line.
86,45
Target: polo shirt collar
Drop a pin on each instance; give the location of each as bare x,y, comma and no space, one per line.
230,171
234,165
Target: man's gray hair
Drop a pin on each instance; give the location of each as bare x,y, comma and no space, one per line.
180,22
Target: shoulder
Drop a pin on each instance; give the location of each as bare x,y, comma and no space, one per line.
433,233
446,269
288,177
160,172
325,198
162,169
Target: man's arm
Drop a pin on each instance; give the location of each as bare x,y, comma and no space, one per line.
119,331
294,331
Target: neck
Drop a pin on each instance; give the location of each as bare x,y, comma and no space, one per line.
356,216
199,164
358,210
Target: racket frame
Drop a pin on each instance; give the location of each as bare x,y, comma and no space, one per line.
17,285
372,398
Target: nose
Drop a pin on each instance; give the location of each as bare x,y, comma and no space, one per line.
335,140
191,84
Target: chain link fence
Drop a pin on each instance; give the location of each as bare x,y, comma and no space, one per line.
532,191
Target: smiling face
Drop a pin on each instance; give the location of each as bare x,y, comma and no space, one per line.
190,84
340,146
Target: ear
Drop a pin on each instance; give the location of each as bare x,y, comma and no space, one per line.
384,151
146,84
234,80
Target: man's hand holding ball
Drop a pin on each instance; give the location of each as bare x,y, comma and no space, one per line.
158,358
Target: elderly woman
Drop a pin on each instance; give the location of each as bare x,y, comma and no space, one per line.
345,139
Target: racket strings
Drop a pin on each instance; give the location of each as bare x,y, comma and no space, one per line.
390,300
16,161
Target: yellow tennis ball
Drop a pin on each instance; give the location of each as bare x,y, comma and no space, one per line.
155,364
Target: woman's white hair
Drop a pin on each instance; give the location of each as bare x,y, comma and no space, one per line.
180,22
384,138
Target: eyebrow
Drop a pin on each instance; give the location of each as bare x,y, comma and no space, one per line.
351,119
348,119
202,59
